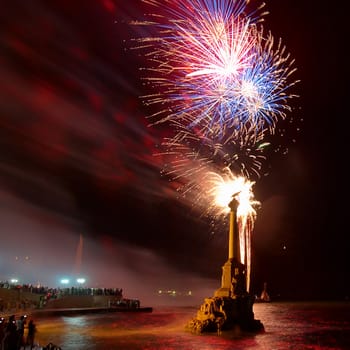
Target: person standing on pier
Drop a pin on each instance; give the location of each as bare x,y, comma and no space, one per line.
20,331
31,334
10,339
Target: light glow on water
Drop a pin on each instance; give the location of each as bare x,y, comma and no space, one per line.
313,325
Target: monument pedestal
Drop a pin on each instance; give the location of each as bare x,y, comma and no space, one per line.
231,306
226,281
218,314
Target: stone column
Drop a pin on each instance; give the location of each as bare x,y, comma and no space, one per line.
233,254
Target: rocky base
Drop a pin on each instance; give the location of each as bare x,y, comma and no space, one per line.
217,314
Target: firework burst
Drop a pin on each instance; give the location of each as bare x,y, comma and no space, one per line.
189,155
212,68
217,191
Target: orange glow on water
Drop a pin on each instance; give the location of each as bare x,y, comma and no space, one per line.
309,325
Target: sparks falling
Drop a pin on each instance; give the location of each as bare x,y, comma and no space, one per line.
220,190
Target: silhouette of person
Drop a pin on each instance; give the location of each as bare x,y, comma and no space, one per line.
11,334
31,334
20,331
2,333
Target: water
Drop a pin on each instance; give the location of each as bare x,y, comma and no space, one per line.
297,326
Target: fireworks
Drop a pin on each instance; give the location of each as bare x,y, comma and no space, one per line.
213,68
222,84
221,189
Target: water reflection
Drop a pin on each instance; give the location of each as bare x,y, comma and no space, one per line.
287,326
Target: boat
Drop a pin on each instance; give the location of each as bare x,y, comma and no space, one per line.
129,309
127,305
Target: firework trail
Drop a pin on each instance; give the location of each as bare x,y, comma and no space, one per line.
189,155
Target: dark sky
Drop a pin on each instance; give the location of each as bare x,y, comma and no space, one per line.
77,157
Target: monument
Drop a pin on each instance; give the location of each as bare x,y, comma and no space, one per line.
232,305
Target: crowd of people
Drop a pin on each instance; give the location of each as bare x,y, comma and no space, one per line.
46,294
16,334
57,292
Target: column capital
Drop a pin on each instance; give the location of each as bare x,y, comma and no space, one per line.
233,204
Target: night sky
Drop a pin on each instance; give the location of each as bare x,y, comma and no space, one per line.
77,157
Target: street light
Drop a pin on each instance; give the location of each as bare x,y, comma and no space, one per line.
64,280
